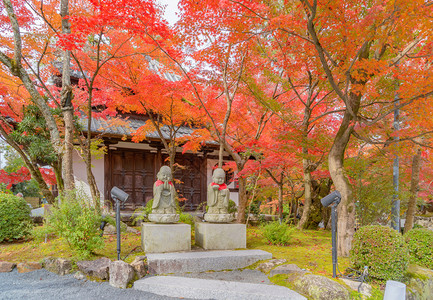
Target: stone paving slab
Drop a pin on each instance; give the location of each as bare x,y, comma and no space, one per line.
194,288
201,261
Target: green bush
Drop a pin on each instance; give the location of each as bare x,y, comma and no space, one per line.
15,220
382,249
187,219
141,213
420,244
278,233
232,207
76,221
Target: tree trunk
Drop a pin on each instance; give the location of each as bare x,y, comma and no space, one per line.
96,196
346,208
307,194
414,188
172,157
31,165
66,102
242,199
36,174
15,67
68,176
58,173
94,191
280,200
221,155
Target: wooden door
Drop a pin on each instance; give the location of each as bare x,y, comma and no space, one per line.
133,171
191,181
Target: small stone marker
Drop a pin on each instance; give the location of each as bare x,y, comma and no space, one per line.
267,266
140,266
95,268
59,266
6,266
365,288
121,274
28,267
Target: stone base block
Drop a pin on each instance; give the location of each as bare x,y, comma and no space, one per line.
163,218
160,238
218,218
212,236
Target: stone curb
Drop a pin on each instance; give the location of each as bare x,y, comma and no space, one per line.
195,288
200,261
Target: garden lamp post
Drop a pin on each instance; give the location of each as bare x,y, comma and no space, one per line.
120,197
333,200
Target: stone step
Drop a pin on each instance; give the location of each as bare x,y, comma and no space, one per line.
201,261
194,288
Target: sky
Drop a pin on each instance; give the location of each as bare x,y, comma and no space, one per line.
170,10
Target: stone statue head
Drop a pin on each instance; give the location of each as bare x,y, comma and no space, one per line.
164,173
219,176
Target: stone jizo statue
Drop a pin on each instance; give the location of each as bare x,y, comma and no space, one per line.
218,196
164,195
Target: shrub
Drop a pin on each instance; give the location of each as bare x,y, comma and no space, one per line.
187,219
382,249
141,213
15,220
419,241
78,223
277,233
232,207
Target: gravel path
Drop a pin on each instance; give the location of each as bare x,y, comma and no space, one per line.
45,285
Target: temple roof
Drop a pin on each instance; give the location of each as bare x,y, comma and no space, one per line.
126,127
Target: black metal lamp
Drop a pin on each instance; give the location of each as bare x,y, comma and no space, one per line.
120,197
333,200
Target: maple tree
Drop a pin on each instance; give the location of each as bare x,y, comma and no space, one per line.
221,63
356,62
303,104
147,91
322,72
89,35
16,58
359,49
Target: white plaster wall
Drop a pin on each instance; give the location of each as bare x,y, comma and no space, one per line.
210,164
80,174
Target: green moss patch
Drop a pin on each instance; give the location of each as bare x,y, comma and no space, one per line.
309,249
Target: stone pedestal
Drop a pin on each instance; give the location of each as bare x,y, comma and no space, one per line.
218,218
163,218
211,236
160,238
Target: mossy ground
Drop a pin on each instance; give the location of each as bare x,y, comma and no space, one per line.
36,250
310,249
